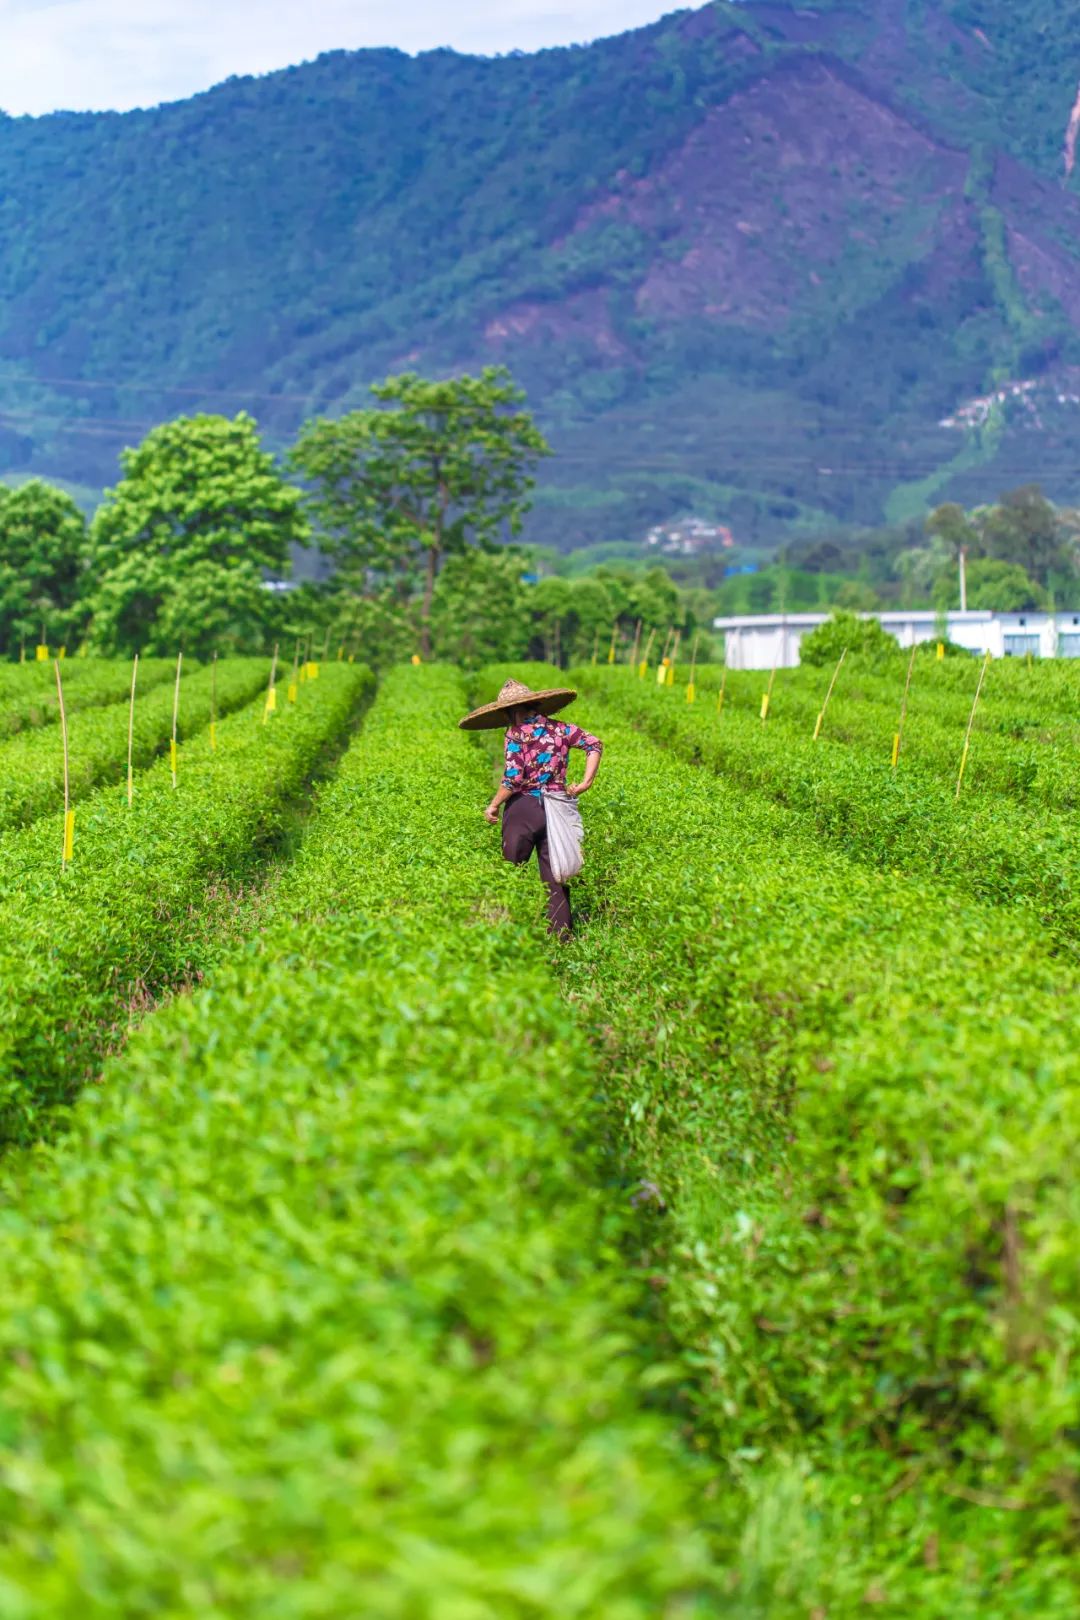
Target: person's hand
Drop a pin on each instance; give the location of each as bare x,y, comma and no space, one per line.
576,789
491,814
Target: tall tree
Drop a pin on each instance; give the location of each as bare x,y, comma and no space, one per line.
432,469
181,546
42,546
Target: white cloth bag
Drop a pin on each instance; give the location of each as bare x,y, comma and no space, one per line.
564,835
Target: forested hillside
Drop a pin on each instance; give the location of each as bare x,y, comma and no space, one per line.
748,259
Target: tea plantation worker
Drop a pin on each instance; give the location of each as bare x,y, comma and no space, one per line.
537,751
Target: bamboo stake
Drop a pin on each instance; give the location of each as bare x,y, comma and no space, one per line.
131,730
295,668
766,698
723,689
637,643
271,691
971,722
693,668
213,704
828,695
898,739
326,645
175,713
643,666
68,848
674,658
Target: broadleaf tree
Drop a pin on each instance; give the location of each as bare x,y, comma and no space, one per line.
181,547
42,553
431,469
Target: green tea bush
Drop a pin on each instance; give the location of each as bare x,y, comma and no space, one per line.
32,764
318,1307
850,1098
984,845
28,691
141,905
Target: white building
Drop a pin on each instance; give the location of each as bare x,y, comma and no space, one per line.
758,641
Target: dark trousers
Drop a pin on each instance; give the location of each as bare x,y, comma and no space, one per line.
524,829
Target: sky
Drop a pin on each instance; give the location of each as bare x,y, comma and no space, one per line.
95,54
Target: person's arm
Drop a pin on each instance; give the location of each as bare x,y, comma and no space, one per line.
593,749
492,812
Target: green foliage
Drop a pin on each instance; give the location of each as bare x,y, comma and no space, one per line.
329,1266
179,548
32,764
28,696
42,542
480,610
139,909
435,468
864,637
847,1096
1003,587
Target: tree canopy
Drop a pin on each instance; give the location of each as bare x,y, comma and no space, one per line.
433,468
42,546
181,547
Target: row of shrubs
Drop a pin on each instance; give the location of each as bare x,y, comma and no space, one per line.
1024,752
983,845
28,695
319,1308
848,1098
142,905
32,763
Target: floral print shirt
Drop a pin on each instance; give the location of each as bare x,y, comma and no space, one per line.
537,752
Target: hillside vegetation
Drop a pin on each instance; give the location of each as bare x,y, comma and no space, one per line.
745,259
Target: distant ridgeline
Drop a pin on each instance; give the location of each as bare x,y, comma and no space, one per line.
754,261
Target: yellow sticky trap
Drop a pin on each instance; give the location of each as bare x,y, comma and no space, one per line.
292,691
213,735
63,652
303,672
41,654
69,835
341,652
611,655
642,667
690,692
271,702
671,675
941,649
895,750
661,674
415,659
312,670
764,705
352,658
817,725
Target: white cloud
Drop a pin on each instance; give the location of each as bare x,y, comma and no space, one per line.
78,54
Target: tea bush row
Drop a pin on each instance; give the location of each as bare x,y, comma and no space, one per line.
995,850
851,1100
28,691
1038,767
318,1308
149,889
32,763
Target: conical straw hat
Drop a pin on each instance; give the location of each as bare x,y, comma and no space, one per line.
515,695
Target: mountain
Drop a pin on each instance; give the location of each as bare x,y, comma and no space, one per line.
748,260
